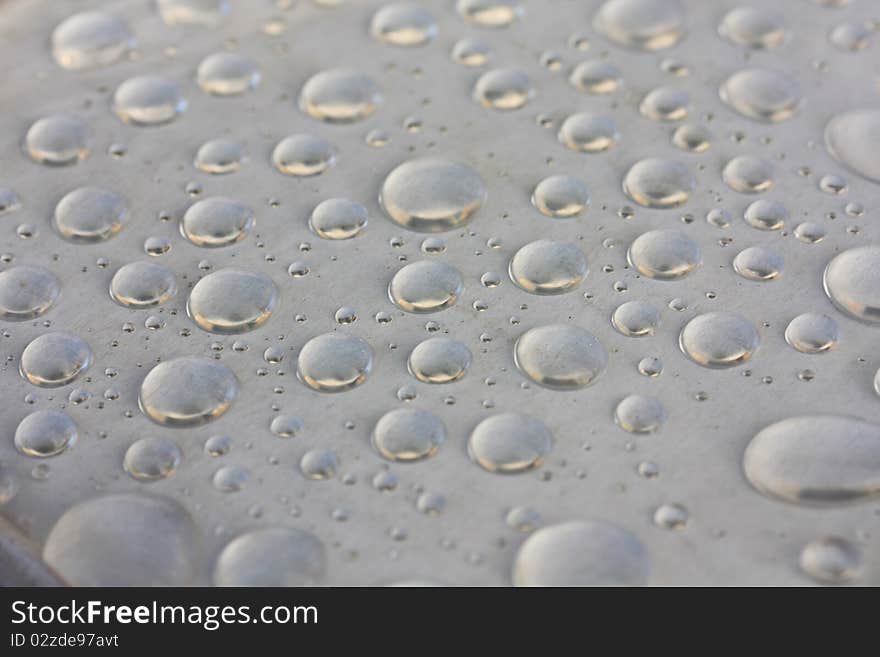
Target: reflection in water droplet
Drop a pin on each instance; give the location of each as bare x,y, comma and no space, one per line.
851,36
765,214
187,391
338,219
761,29
818,459
272,557
762,94
545,267
561,196
831,560
692,138
91,39
57,140
510,443
595,76
408,434
426,286
758,263
748,174
286,426
641,24
230,479
227,74
220,156
582,553
303,155
319,464
665,104
432,195
45,433
852,282
719,339
148,100
339,96
489,13
334,363
588,133
9,201
812,333
232,301
124,540
151,459
26,292
560,356
659,183
205,13
471,52
90,214
664,254
216,221
142,285
403,24
54,359
503,89
439,360
853,139
640,414
636,318
671,516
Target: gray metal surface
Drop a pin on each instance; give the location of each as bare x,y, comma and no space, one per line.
733,535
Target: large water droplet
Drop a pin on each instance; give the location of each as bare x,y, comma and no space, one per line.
55,359
339,96
271,557
27,291
232,301
560,356
853,139
334,362
852,282
510,443
216,221
408,434
719,339
45,433
90,39
641,24
187,391
659,183
426,286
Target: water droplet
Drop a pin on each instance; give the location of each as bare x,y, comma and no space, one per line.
220,156
187,391
90,214
439,360
303,155
339,96
588,133
636,318
595,76
142,285
659,183
318,464
510,443
334,363
664,254
338,219
762,94
227,74
748,174
26,292
758,263
203,13
272,557
671,516
408,434
561,196
665,104
426,286
560,356
489,13
55,359
148,100
91,39
403,24
853,139
216,221
812,333
151,459
831,560
751,27
640,414
57,140
719,339
232,301
545,267
45,433
765,214
852,282
503,89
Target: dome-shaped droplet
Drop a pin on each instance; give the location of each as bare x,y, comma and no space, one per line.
664,254
748,174
339,96
561,196
27,291
425,286
232,301
124,540
203,13
91,39
719,339
762,94
90,214
490,13
659,183
582,553
151,459
547,267
853,139
812,333
334,362
408,434
641,24
432,195
303,155
831,560
227,74
766,214
665,104
148,100
588,133
692,138
57,140
752,27
318,464
220,156
142,285
55,359
503,89
636,318
758,263
216,221
187,391
338,219
595,76
852,282
509,443
45,433
816,459
640,414
272,557
403,24
560,356
439,360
